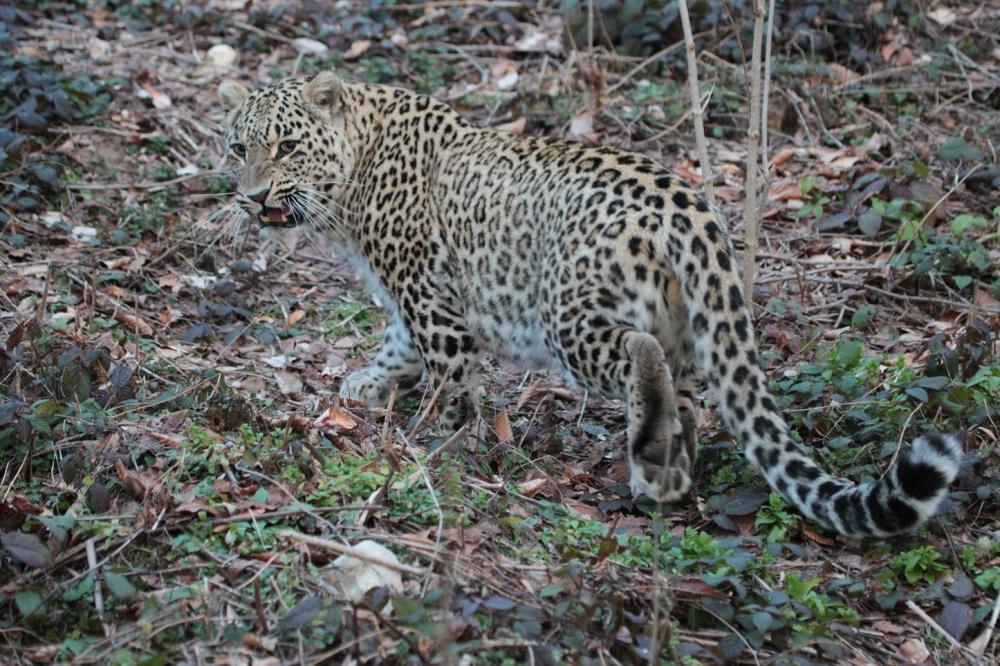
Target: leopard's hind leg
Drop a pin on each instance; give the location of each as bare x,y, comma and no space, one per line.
621,361
661,424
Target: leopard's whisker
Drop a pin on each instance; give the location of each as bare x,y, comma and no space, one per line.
319,213
327,199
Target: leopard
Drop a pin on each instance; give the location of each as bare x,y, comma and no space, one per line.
589,261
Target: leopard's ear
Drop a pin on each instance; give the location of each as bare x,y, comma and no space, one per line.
232,94
323,91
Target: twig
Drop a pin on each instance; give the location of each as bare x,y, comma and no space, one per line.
764,162
152,186
496,644
931,210
347,550
696,107
955,645
644,64
979,645
427,411
98,593
262,33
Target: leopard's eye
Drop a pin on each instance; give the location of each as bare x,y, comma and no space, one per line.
239,149
286,147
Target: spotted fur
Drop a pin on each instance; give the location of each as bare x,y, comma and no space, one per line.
592,261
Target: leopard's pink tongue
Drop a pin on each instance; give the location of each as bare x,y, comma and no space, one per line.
278,214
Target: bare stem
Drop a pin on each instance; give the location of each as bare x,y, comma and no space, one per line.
696,108
753,212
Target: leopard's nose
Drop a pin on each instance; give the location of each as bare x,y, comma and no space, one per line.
261,196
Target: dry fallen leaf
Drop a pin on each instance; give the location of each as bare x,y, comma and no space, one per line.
532,487
817,537
135,324
293,318
268,643
335,419
132,481
887,627
160,100
501,424
514,127
540,389
942,15
582,510
357,49
288,382
914,651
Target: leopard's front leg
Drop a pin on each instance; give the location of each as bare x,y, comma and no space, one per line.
450,352
397,361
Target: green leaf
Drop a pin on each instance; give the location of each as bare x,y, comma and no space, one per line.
870,222
989,579
260,496
46,408
918,393
301,613
762,620
82,588
119,586
158,659
850,353
631,9
744,501
550,591
28,601
408,611
862,316
39,425
963,222
955,149
933,383
26,548
58,526
962,281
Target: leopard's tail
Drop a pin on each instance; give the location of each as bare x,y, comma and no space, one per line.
718,316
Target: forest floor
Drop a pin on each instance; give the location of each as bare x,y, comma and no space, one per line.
177,475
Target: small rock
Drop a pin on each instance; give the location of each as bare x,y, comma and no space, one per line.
222,56
98,49
507,81
355,576
199,281
581,126
84,234
51,218
399,38
309,46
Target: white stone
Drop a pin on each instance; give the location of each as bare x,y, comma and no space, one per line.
222,55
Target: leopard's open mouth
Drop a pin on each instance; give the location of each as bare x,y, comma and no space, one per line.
273,216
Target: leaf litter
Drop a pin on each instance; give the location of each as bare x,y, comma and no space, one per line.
169,395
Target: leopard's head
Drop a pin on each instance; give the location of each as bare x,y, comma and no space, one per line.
290,146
